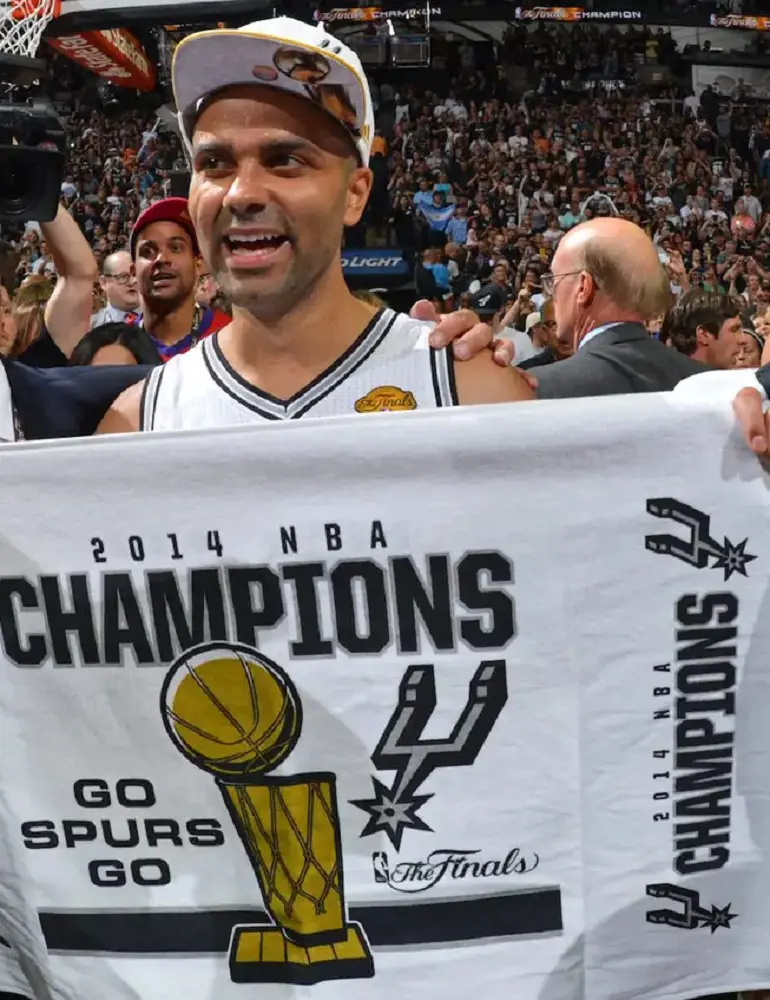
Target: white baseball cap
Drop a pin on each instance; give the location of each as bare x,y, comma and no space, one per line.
534,319
284,53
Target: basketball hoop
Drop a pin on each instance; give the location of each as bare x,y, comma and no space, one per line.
22,23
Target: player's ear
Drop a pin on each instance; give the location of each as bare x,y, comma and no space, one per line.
359,186
199,267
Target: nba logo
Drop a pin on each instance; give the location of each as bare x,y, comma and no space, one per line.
381,867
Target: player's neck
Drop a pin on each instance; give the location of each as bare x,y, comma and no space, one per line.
172,326
282,357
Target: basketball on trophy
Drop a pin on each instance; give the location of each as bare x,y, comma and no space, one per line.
230,710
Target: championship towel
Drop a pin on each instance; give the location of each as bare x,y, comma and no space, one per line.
468,704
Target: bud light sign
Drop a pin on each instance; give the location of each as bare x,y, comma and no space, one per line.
375,264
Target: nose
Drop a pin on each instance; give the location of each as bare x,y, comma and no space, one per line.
247,194
162,256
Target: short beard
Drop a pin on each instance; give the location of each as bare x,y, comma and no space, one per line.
272,306
162,305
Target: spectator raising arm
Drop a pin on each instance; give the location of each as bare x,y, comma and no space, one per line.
68,311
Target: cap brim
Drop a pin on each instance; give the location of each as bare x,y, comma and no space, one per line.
212,60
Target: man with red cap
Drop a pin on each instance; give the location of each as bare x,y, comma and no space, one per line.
165,255
166,261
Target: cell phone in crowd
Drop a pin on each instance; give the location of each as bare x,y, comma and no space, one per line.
663,257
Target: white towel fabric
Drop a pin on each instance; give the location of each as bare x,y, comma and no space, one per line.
422,751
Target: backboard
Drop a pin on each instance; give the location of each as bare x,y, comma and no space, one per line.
90,15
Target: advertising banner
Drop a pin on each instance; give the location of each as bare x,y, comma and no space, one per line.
375,263
646,13
371,14
575,14
113,54
744,21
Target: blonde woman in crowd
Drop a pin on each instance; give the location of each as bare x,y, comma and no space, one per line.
7,323
28,311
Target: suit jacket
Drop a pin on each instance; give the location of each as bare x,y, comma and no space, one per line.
763,374
546,357
66,402
623,359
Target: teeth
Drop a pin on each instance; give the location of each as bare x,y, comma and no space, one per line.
253,241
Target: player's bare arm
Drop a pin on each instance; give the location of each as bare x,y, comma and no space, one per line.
124,415
482,380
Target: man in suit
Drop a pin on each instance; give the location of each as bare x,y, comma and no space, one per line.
607,281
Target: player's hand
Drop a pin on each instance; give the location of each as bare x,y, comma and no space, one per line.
465,330
754,423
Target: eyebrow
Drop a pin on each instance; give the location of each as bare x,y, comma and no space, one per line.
292,144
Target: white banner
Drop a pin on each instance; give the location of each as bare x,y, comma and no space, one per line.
480,709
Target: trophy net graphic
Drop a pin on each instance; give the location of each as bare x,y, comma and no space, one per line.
237,715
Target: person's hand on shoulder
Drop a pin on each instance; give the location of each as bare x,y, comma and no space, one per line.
465,331
486,375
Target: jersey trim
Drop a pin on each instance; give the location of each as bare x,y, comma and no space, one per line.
450,371
271,408
442,371
149,401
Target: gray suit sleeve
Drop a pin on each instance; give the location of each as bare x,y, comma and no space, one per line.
583,374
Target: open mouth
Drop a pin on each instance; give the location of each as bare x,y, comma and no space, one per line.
162,277
254,246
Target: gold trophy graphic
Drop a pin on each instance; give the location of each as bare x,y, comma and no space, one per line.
237,716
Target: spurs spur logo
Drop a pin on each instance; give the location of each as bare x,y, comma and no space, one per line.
395,808
691,914
699,548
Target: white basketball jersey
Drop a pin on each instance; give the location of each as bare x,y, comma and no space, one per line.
390,367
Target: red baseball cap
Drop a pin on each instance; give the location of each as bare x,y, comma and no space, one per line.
165,210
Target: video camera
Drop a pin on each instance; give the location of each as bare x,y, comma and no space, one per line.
32,156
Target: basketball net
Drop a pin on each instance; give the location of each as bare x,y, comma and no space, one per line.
22,23
300,879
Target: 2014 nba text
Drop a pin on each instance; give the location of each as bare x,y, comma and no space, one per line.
143,599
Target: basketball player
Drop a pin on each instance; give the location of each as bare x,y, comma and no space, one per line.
275,179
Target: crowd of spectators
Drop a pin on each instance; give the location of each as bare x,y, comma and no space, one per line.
480,180
118,165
